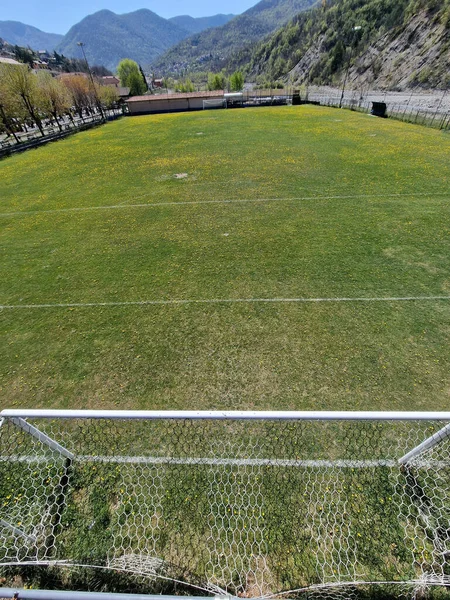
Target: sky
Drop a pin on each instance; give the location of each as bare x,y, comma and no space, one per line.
58,16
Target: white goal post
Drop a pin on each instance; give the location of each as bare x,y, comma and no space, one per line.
214,103
248,504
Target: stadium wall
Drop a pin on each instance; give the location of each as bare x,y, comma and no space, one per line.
143,105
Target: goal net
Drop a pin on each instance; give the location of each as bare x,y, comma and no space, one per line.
250,505
214,103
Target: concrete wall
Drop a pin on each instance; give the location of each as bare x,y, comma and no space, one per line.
167,105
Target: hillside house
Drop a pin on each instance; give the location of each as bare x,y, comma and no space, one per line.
110,80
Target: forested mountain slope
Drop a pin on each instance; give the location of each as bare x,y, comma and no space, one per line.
396,44
210,49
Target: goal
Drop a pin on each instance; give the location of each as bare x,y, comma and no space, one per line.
214,103
248,504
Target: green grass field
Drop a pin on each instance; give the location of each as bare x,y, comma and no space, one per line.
291,202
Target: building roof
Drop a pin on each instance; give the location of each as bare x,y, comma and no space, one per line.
184,96
110,80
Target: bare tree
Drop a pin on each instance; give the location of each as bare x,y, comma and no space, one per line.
108,95
56,97
22,83
10,109
78,87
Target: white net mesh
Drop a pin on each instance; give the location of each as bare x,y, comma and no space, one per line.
250,508
214,103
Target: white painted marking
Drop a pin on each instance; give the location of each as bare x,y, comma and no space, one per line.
231,462
230,201
242,462
223,301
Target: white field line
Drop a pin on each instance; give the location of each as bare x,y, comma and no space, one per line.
221,462
230,462
224,301
229,201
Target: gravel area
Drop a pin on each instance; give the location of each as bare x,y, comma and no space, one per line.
413,99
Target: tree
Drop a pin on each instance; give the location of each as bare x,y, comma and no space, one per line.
130,76
22,83
136,84
216,81
78,87
143,77
100,71
169,83
237,81
337,56
185,86
24,55
11,111
55,96
108,95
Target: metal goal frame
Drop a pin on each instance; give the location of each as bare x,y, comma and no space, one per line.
230,503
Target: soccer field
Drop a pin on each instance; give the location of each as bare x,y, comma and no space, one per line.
284,258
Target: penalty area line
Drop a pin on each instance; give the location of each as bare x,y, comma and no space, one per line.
123,206
224,301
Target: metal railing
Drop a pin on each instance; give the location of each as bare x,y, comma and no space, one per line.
438,118
32,137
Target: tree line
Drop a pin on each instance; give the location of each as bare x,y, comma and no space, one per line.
28,99
214,81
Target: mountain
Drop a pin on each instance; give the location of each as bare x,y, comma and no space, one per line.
141,35
19,34
210,49
398,44
196,25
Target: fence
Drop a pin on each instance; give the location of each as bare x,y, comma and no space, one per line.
268,97
430,117
33,138
246,504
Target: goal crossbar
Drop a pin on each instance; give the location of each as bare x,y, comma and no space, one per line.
229,415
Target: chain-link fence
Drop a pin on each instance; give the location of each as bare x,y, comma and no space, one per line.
438,117
247,504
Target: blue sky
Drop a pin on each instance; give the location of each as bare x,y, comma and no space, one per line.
57,16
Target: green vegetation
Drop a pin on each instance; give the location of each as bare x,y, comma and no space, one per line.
27,98
217,81
55,61
323,38
363,211
236,81
185,85
131,76
210,49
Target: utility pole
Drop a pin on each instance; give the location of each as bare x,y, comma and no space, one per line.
356,28
97,99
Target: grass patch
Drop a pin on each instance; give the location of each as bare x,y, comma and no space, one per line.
323,207
363,211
